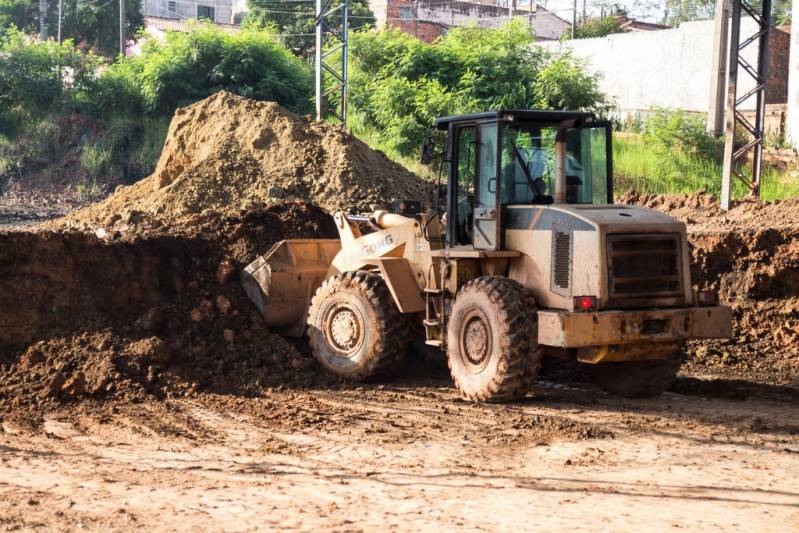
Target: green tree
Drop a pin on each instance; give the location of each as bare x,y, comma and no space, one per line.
296,20
678,11
597,27
187,67
91,24
17,13
399,84
38,77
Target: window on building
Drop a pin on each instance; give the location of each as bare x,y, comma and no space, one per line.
405,12
171,8
205,12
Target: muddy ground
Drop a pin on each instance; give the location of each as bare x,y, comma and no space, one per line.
408,455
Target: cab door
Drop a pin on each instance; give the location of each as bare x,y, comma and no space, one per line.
487,222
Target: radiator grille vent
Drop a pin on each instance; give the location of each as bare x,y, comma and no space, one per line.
644,266
562,259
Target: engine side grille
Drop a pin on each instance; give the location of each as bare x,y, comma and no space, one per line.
644,266
562,260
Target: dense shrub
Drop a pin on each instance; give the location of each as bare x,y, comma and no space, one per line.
190,66
673,130
38,77
595,27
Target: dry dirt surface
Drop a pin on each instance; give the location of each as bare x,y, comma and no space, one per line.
407,455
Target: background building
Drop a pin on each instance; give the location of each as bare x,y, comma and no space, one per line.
429,19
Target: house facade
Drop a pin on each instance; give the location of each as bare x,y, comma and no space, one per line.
217,11
430,19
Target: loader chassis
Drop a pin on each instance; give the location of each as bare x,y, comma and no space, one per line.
531,258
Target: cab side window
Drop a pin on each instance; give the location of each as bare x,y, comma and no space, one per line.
467,167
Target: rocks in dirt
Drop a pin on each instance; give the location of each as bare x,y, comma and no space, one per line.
750,254
144,316
227,153
152,348
223,305
225,271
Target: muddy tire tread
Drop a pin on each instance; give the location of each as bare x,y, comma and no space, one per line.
390,327
513,376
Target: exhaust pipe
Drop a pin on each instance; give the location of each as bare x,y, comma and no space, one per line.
560,160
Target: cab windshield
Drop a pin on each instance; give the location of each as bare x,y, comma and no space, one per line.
527,170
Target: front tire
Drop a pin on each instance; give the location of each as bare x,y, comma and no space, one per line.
354,328
490,350
638,379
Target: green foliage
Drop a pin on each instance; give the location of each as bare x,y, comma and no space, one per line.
673,153
96,160
399,84
17,13
595,27
678,11
38,77
190,66
94,25
672,131
296,20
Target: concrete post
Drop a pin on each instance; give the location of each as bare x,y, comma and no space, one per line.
718,69
792,120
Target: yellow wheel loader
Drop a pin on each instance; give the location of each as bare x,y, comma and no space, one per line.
530,257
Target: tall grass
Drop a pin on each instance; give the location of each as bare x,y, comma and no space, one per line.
640,166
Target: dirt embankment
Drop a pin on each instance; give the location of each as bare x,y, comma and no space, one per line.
227,153
750,254
155,311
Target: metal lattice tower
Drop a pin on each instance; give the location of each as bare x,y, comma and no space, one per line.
734,154
324,30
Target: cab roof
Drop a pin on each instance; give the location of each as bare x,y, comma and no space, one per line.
521,115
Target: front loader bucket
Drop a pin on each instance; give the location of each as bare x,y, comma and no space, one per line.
282,282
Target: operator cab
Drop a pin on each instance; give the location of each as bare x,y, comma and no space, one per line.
501,159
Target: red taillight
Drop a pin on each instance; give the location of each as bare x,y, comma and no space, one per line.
707,298
584,303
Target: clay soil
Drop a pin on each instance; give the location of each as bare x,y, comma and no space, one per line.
407,455
169,399
139,387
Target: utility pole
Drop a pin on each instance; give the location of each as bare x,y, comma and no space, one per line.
511,8
42,20
574,19
737,124
318,59
718,69
59,19
122,27
325,12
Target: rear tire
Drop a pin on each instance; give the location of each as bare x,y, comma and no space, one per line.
354,328
490,352
638,379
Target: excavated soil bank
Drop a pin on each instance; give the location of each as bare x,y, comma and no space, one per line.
227,153
750,254
150,312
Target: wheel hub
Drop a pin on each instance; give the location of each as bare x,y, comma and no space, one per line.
476,340
344,330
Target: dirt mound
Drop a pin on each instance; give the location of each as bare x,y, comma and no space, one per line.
150,311
701,211
227,153
750,254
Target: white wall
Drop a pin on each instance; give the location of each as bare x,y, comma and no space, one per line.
666,68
